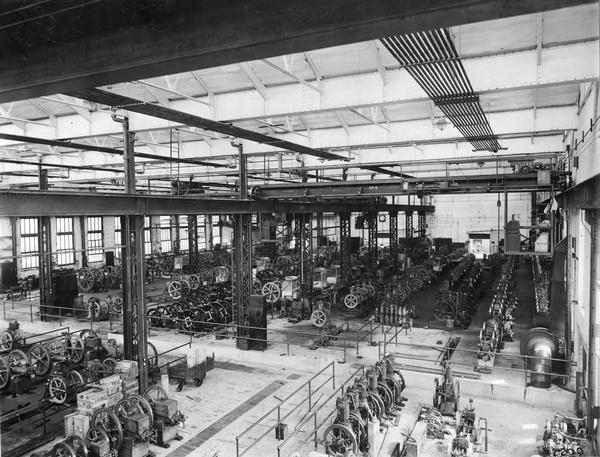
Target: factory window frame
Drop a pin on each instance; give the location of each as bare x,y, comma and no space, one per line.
95,239
202,233
184,235
166,245
216,232
29,242
65,240
118,239
147,236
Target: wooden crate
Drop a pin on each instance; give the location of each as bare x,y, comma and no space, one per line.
77,424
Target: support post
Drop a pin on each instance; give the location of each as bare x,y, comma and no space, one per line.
394,234
421,224
372,238
304,241
319,218
192,221
345,263
45,256
242,260
408,225
135,329
593,372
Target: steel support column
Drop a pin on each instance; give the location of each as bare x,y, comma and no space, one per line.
45,256
345,263
305,245
393,234
372,238
192,221
593,218
242,260
242,269
421,224
319,226
135,327
408,224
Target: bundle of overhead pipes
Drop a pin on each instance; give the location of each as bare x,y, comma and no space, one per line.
432,60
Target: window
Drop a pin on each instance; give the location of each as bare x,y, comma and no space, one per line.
165,234
147,236
118,239
95,239
202,232
65,240
184,237
216,232
29,242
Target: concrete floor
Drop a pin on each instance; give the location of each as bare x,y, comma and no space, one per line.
247,384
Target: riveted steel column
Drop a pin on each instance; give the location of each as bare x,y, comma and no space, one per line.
319,218
421,224
135,327
192,222
345,262
393,234
408,224
242,255
45,256
372,237
304,240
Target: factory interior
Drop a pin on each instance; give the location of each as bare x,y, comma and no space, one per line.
299,228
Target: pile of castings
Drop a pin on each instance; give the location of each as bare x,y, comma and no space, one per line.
455,306
499,328
373,399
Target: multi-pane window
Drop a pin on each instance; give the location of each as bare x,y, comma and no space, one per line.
202,232
147,236
184,236
65,240
118,239
165,234
29,242
95,239
216,233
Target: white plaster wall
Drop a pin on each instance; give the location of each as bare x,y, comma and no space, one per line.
455,215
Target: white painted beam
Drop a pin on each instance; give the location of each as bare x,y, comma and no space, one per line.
258,84
291,75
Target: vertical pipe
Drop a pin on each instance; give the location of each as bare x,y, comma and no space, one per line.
594,328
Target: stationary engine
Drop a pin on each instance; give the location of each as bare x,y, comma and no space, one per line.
167,416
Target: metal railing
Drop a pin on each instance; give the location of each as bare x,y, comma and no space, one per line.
313,416
309,398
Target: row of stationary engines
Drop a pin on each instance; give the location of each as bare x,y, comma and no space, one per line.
126,429
373,399
499,328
